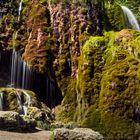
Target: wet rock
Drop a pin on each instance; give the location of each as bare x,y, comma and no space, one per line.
76,134
42,114
12,121
43,117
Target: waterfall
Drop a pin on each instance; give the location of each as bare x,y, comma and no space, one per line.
25,78
130,19
19,103
27,102
20,74
23,101
19,9
1,101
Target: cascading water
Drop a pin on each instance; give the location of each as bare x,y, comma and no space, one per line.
27,102
25,78
19,9
1,101
23,101
20,74
130,19
19,103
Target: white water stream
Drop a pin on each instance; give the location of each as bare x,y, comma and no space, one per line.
130,19
1,101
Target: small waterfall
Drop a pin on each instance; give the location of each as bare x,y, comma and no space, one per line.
19,103
19,15
19,72
27,101
23,101
130,19
19,9
1,101
25,78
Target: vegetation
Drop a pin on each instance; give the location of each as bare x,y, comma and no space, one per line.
83,49
133,5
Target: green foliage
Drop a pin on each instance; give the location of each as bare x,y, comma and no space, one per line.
52,136
113,18
43,125
66,114
89,75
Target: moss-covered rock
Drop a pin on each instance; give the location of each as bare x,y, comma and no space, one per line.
99,79
37,24
113,18
26,104
107,86
120,92
12,99
89,75
12,121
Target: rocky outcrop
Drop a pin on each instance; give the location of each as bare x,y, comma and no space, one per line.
12,121
76,134
17,100
97,75
42,116
26,104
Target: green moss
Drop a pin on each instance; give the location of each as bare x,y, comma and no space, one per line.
10,102
67,111
34,38
113,17
51,136
120,86
92,119
107,86
89,75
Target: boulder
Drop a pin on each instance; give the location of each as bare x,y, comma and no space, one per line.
76,134
42,116
12,121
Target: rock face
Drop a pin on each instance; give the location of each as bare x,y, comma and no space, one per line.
76,134
26,104
98,76
12,121
18,100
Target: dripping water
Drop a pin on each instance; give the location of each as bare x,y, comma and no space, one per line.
1,101
130,19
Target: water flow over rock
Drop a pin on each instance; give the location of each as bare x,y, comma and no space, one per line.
1,101
27,102
19,9
25,78
130,19
20,74
23,101
17,98
19,103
